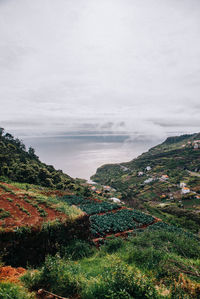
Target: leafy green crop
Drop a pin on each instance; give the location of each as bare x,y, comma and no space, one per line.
98,207
112,223
142,218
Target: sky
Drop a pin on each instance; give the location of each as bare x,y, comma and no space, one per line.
100,66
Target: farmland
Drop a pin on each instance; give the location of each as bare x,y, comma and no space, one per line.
69,242
19,207
109,218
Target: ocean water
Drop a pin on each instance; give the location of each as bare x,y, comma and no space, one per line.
80,155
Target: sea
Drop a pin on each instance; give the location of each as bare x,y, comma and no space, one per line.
80,155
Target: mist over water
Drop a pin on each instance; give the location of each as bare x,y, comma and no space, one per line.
80,156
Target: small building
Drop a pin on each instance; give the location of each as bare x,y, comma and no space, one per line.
140,173
93,188
115,200
98,192
107,188
147,181
148,168
185,190
182,184
164,177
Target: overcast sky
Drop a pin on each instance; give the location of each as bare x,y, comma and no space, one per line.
100,65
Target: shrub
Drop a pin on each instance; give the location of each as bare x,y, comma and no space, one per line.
119,282
10,290
146,258
77,249
58,276
113,244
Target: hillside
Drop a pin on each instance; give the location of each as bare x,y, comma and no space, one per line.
164,179
21,165
73,242
79,239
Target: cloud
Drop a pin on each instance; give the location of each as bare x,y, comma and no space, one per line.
109,65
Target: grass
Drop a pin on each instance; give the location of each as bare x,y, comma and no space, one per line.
13,291
140,267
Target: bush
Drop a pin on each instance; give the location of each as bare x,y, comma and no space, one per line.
119,282
113,244
77,249
56,275
146,258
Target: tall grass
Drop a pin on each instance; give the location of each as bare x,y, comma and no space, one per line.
135,268
13,291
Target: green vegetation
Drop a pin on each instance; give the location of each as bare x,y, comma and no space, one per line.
112,223
13,291
74,199
148,265
89,206
143,186
21,165
154,260
98,207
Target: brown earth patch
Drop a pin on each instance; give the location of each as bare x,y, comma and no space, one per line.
13,188
19,217
11,274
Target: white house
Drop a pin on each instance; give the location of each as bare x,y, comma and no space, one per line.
182,184
140,173
148,168
164,177
116,200
185,190
147,181
107,188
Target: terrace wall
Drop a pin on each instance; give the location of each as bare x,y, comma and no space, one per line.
30,246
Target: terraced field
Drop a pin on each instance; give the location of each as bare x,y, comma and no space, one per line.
107,219
21,207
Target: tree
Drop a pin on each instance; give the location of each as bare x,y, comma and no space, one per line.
9,137
31,152
1,132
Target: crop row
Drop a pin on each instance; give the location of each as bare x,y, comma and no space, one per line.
89,206
98,207
112,223
142,218
4,214
74,200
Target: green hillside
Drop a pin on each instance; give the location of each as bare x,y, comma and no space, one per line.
21,165
73,243
152,181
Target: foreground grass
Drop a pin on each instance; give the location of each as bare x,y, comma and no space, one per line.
148,265
12,291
